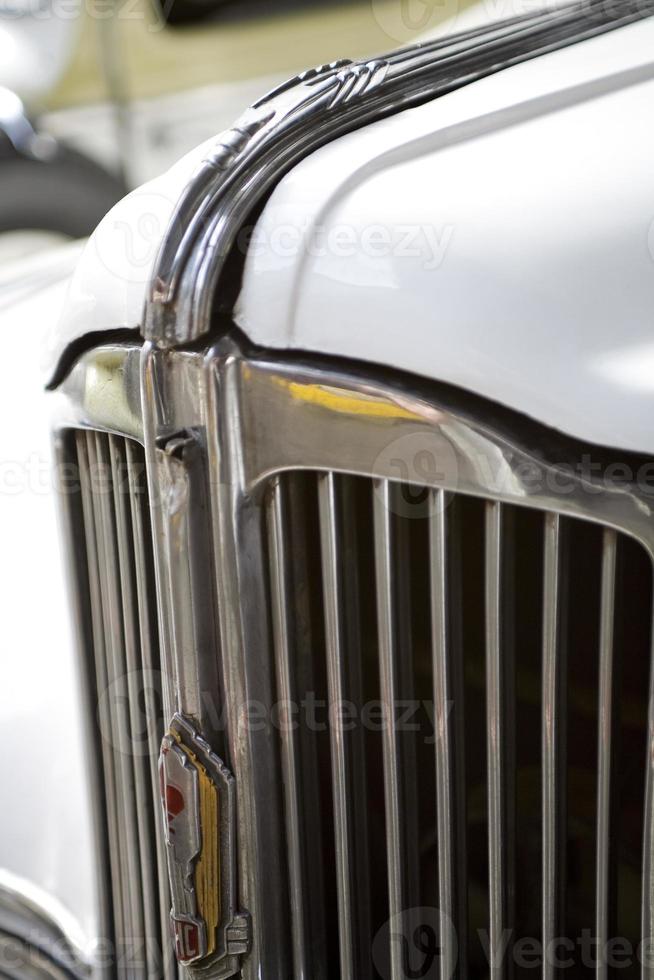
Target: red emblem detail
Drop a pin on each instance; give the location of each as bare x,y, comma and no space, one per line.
189,939
174,805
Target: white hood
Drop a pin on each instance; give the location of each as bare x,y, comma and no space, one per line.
500,239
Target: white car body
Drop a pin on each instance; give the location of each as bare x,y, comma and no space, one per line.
499,239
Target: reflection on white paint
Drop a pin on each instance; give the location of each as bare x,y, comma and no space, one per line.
630,368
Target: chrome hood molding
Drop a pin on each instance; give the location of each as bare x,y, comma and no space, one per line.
307,112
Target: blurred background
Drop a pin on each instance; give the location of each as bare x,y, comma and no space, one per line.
98,96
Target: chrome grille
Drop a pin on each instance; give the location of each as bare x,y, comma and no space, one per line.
116,587
518,803
505,592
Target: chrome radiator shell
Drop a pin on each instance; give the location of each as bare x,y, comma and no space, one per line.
221,430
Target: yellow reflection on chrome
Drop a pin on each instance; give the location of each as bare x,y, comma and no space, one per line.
336,400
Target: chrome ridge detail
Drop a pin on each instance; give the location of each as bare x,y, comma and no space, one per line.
310,110
197,796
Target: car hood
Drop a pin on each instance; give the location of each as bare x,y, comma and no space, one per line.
497,238
500,239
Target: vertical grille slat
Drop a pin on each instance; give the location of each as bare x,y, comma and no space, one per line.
605,748
647,884
495,707
447,703
552,721
147,632
143,803
388,626
335,632
85,455
278,537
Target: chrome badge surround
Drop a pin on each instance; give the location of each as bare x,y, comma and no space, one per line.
197,796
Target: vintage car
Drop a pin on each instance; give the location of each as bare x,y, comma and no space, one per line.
354,469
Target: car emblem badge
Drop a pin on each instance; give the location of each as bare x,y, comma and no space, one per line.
197,796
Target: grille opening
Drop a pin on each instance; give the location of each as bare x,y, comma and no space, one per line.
467,519
633,639
527,612
583,637
331,528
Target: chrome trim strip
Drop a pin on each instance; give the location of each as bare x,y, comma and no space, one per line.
309,111
335,604
246,658
551,721
142,766
146,617
497,837
605,749
443,704
647,898
344,422
388,664
83,440
278,535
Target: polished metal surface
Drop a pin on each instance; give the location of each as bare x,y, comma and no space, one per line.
229,440
495,708
116,570
146,615
197,800
551,776
336,604
279,534
605,747
387,614
84,461
309,111
122,478
38,937
110,612
445,700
